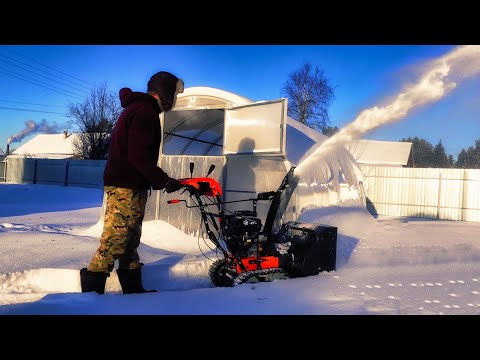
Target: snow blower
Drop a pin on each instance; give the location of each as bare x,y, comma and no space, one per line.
251,252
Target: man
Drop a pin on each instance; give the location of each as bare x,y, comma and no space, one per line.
130,172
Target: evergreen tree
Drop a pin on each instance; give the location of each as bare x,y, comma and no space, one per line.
476,155
462,162
470,158
440,157
451,161
422,153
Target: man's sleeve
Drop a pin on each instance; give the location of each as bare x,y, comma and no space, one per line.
140,149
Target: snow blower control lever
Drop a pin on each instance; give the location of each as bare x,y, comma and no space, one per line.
252,253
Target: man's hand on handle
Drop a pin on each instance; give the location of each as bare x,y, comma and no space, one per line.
172,185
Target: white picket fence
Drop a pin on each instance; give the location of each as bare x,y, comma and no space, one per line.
449,194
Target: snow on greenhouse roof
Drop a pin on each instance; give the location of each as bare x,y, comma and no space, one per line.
209,97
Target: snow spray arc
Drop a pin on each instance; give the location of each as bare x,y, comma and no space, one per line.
442,75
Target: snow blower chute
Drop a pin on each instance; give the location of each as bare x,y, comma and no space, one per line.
250,252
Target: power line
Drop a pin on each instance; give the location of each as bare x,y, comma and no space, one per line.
61,92
40,111
34,67
45,77
41,82
46,65
27,103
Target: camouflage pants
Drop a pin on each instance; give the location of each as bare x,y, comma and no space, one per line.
122,230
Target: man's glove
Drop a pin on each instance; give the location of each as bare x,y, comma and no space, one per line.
172,185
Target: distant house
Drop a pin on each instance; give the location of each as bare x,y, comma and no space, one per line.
48,146
380,153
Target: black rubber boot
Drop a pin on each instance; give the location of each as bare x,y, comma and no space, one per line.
131,281
93,281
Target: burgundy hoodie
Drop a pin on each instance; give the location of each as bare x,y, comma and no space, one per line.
135,144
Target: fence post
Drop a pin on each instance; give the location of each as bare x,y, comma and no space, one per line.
66,173
463,203
35,171
439,193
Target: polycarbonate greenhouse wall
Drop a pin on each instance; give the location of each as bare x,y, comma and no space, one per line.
264,174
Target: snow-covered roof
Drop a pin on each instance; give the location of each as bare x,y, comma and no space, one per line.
48,146
375,152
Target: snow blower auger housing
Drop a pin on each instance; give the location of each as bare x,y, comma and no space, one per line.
250,252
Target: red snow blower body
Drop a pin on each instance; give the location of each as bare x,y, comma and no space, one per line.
250,251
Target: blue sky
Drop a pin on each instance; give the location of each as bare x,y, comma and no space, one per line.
363,76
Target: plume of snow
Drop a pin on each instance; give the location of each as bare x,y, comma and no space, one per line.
441,76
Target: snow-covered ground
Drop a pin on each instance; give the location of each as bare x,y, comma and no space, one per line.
384,265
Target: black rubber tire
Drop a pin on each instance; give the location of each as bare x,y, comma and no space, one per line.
279,274
218,274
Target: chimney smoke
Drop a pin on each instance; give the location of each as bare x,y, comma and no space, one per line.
32,127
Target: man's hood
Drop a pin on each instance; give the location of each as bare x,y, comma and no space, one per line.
127,96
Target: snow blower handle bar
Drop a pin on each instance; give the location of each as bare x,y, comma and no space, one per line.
201,186
198,187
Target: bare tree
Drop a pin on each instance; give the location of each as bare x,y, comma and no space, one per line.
310,95
94,119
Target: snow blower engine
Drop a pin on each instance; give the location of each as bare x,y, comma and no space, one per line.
250,252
